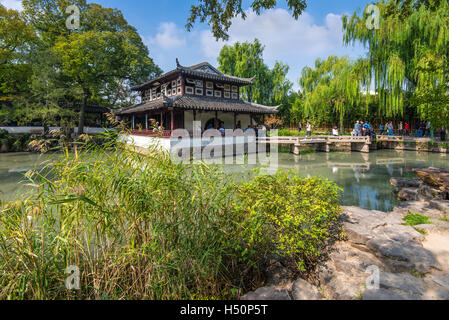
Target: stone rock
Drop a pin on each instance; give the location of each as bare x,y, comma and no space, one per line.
413,254
408,194
267,293
402,281
441,280
405,183
386,295
435,177
399,232
426,193
442,205
302,290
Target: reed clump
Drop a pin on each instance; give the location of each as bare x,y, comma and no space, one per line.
139,227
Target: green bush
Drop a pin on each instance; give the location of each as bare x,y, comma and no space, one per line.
293,217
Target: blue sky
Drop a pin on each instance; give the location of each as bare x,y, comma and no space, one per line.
317,34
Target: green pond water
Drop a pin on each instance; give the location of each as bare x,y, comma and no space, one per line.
365,178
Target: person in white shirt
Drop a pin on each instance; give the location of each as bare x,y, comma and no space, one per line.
335,132
309,129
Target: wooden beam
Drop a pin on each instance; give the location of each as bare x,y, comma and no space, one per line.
172,121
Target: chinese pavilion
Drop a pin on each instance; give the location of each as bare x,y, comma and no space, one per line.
187,94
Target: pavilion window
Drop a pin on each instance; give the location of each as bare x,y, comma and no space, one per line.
217,93
235,96
227,87
179,90
173,84
179,81
189,90
190,81
227,95
199,83
199,91
210,93
209,85
235,89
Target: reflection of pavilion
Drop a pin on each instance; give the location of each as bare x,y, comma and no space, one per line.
387,162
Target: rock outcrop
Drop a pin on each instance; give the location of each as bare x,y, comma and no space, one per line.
382,259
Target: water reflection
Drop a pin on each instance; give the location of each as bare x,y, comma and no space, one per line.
364,177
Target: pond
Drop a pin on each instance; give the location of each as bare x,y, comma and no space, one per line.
364,177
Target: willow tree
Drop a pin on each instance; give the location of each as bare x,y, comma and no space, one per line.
245,60
336,84
408,56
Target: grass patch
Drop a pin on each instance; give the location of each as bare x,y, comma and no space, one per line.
423,232
416,219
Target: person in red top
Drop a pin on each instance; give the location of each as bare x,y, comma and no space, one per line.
406,129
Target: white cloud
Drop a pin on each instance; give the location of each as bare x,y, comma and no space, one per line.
297,43
169,36
12,4
281,34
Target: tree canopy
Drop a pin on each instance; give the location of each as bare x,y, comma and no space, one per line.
270,86
95,64
335,85
408,56
219,13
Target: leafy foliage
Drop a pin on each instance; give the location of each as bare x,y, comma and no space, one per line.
292,216
408,56
219,13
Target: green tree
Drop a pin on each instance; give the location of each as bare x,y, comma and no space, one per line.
334,85
105,57
219,13
408,56
270,86
15,36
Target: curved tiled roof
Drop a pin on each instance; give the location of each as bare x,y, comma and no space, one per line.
198,72
188,102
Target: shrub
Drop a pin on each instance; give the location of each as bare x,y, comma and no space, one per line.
291,216
416,219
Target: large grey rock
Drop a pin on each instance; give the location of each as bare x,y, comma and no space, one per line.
405,183
398,233
418,257
442,205
302,290
359,223
267,293
402,281
388,295
346,286
441,280
408,194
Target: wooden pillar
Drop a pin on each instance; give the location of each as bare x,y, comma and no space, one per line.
146,121
216,119
235,120
194,115
172,121
162,120
133,122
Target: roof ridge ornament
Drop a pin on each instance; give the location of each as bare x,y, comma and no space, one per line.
178,65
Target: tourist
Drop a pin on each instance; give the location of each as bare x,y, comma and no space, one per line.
443,134
381,129
300,127
357,128
390,128
222,129
400,128
406,129
366,129
335,132
427,131
309,129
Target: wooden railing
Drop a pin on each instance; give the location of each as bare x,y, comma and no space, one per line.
150,133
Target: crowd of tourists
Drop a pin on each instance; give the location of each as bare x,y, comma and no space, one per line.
366,128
